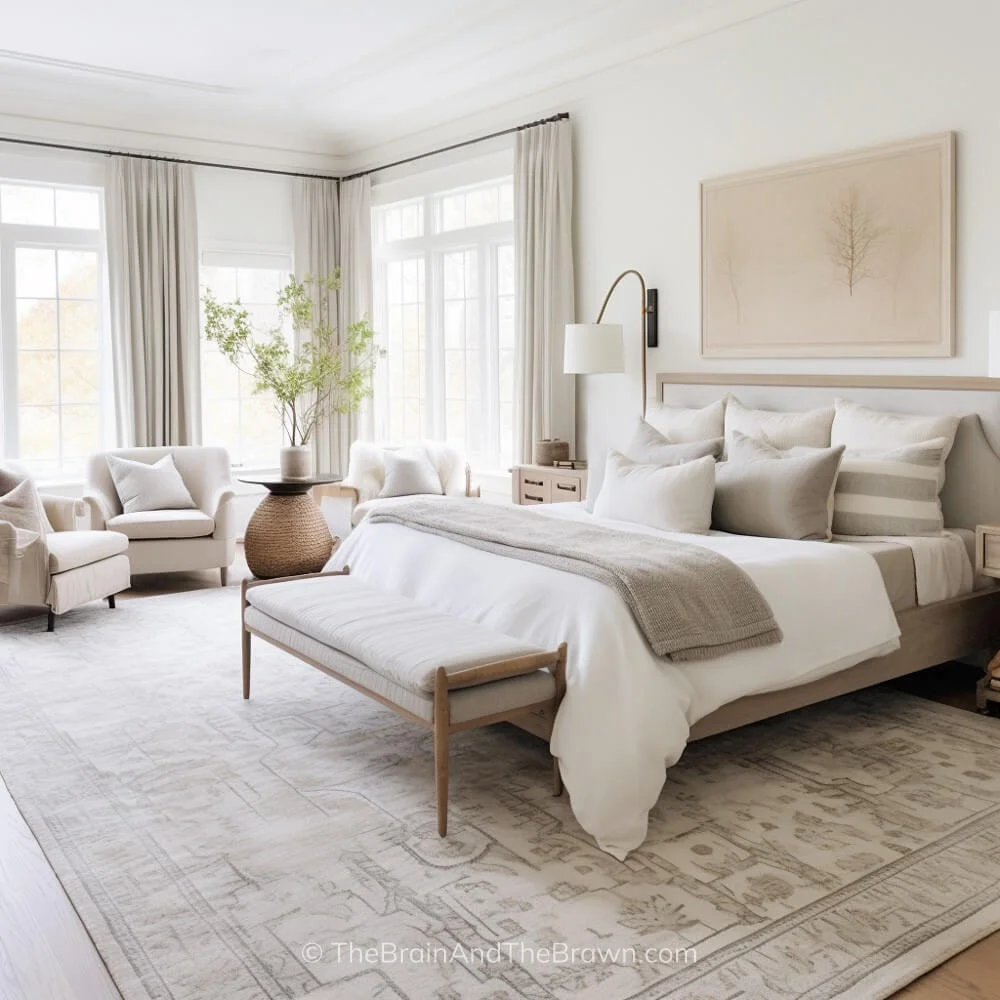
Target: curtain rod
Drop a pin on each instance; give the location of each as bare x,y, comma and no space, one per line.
162,159
562,116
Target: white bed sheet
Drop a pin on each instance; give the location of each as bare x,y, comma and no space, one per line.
627,713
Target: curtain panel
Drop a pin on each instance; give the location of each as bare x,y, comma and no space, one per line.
544,397
153,280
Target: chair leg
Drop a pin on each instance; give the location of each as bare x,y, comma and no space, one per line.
246,664
556,778
52,621
111,601
442,723
224,574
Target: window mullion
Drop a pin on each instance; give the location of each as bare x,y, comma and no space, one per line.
8,347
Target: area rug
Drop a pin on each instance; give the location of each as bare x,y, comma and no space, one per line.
286,847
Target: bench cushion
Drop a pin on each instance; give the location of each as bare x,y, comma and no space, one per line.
465,704
403,641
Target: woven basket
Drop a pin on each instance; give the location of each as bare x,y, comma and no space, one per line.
286,536
548,451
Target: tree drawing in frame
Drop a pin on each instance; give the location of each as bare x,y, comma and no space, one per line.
844,256
854,238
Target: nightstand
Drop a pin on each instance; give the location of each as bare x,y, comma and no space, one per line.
534,484
988,564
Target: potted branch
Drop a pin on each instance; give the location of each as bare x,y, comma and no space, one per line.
325,374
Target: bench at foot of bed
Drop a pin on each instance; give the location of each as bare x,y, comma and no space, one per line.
442,672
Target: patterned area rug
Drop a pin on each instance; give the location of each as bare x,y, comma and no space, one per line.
286,847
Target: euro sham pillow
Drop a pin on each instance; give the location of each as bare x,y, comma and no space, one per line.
648,446
671,498
149,486
409,472
777,499
891,492
859,427
808,428
682,425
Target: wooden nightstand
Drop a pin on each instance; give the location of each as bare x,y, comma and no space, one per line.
533,484
988,564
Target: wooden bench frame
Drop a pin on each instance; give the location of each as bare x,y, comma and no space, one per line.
444,683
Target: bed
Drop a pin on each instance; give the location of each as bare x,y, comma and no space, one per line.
628,714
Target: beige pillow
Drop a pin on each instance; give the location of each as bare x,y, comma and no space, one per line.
671,498
12,476
860,427
21,506
809,428
681,424
777,499
648,445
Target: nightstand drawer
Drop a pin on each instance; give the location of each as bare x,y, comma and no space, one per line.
565,490
991,552
535,488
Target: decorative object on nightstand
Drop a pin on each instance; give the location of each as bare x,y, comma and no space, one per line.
592,348
548,451
988,564
287,535
534,484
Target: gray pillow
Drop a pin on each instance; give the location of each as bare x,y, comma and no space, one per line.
144,486
409,472
650,447
777,499
891,492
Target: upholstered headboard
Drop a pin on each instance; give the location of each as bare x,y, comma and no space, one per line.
971,493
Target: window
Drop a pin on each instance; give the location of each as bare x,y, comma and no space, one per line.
444,309
52,329
248,424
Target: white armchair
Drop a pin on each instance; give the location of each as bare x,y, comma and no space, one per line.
168,541
366,475
61,568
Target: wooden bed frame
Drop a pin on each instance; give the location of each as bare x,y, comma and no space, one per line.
931,635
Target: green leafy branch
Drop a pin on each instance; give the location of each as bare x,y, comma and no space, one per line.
329,373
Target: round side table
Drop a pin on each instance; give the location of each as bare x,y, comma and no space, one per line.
287,535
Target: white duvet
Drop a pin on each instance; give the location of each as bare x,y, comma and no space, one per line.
627,713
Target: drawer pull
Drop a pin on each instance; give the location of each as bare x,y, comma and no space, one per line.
570,488
528,496
533,482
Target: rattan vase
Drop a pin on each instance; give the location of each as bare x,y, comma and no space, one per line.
287,536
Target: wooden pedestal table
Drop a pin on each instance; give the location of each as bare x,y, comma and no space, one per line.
287,534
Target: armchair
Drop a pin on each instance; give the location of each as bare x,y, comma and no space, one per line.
366,475
167,541
48,559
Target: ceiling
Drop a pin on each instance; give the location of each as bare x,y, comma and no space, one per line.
337,76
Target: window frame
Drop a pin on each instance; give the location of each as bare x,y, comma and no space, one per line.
485,240
44,237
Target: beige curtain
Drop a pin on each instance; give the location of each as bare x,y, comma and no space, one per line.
316,222
153,279
544,397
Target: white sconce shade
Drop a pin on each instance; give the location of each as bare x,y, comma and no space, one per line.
592,348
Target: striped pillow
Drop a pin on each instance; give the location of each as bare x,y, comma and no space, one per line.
892,492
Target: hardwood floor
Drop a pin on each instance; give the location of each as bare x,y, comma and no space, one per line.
46,954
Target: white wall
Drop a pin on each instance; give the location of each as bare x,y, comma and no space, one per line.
821,77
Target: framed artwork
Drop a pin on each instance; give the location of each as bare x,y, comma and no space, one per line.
845,256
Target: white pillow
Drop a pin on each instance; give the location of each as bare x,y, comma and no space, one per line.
682,425
408,471
671,498
144,486
809,428
21,506
861,427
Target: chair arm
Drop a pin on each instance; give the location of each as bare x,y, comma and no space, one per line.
220,507
100,509
341,491
471,489
65,513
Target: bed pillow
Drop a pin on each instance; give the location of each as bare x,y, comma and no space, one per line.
890,492
408,472
809,428
649,446
860,427
149,486
671,498
681,424
777,499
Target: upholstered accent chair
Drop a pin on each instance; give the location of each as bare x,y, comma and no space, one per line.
170,541
365,478
51,561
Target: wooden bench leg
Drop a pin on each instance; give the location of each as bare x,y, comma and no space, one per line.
442,723
560,678
246,643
